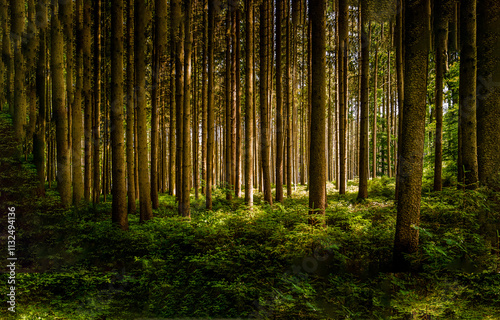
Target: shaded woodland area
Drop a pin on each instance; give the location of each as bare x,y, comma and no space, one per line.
298,159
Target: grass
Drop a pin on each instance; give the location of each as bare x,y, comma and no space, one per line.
267,262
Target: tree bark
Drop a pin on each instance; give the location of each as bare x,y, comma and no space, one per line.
131,207
249,112
97,102
17,34
264,104
342,85
413,129
467,92
279,106
119,204
317,168
210,105
76,112
141,18
365,74
58,103
488,85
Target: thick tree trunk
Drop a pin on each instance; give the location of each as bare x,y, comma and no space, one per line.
58,103
488,85
413,129
264,102
468,72
141,17
119,205
17,34
317,168
365,74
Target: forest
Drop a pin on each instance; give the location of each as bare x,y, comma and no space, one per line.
237,159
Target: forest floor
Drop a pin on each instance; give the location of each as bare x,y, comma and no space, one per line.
232,262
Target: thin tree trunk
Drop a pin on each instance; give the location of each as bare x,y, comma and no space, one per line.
131,207
41,90
342,85
97,98
210,105
77,114
184,206
237,55
249,112
441,18
279,105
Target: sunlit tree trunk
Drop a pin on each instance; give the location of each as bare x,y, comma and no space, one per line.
317,168
467,92
342,85
264,104
279,107
76,112
249,112
488,85
413,129
58,103
365,74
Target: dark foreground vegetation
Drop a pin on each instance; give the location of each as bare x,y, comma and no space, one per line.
266,263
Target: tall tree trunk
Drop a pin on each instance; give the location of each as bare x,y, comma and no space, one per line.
17,34
467,113
58,102
210,105
375,112
442,13
365,74
317,168
228,128
41,90
131,207
488,98
249,112
141,17
237,55
204,99
279,105
184,207
342,85
97,101
264,104
400,78
87,125
387,114
289,99
119,205
413,130
76,112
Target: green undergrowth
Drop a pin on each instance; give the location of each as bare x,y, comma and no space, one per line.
266,262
